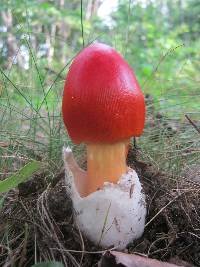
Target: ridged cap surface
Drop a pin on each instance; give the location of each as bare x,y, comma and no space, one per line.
102,100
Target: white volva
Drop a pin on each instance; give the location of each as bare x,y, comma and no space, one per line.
111,216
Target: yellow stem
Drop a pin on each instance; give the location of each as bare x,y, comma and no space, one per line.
105,163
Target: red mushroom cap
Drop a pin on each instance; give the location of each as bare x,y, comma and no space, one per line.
102,101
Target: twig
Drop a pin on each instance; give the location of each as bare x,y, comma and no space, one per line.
193,124
84,251
57,178
24,247
161,210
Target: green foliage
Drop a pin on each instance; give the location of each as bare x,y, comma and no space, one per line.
22,175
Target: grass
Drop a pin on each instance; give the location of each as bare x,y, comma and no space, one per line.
30,115
32,127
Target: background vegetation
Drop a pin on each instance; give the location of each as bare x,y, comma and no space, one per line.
160,40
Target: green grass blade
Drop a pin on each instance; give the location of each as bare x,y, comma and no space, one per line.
22,175
55,80
48,264
18,90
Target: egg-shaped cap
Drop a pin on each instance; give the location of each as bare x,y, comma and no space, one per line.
102,100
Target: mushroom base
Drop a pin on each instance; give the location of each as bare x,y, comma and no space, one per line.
112,216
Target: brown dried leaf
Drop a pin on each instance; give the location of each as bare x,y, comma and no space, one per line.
4,144
119,259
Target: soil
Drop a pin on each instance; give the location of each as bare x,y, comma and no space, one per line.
37,220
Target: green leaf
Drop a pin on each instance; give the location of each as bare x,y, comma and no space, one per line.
22,175
48,264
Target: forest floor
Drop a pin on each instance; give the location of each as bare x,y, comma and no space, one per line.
37,221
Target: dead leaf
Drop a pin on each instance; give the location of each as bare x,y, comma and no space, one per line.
119,259
4,144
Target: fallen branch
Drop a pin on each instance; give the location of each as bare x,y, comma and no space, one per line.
193,124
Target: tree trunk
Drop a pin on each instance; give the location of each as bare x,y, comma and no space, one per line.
50,41
11,41
92,8
64,31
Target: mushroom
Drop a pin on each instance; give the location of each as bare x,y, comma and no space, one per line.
104,107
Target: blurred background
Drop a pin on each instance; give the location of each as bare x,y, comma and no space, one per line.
38,41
